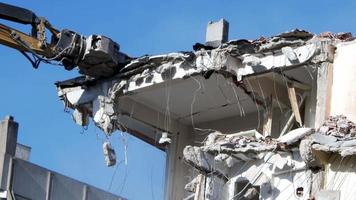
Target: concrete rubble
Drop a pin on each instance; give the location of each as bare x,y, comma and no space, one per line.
240,147
220,153
337,134
109,153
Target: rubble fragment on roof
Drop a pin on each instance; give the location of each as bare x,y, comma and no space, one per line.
337,134
339,36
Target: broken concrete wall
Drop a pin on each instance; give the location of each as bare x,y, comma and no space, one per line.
332,156
277,176
246,163
340,175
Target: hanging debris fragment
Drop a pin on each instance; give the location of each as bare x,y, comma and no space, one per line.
109,153
164,139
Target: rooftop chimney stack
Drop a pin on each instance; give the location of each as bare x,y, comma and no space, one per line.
217,33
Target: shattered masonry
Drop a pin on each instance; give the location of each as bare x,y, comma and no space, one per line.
221,153
243,119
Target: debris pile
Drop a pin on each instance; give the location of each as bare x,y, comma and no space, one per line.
337,134
242,139
246,141
221,151
226,149
339,36
253,153
338,126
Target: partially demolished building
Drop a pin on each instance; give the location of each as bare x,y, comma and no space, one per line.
20,179
238,119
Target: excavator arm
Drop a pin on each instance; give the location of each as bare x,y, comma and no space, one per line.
96,56
13,38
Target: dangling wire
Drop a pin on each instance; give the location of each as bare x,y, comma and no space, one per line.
36,58
34,61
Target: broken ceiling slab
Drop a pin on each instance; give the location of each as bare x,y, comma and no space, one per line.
228,74
220,153
295,135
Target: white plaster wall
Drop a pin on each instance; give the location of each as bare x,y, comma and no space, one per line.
288,183
230,125
343,100
341,175
283,185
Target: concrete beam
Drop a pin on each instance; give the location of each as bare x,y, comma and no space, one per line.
267,118
294,103
324,92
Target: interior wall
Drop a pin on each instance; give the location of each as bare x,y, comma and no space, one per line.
232,124
248,122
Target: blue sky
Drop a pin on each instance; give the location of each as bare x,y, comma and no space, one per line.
140,27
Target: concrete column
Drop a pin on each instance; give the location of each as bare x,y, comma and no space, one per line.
8,141
8,136
217,33
324,83
49,185
85,192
